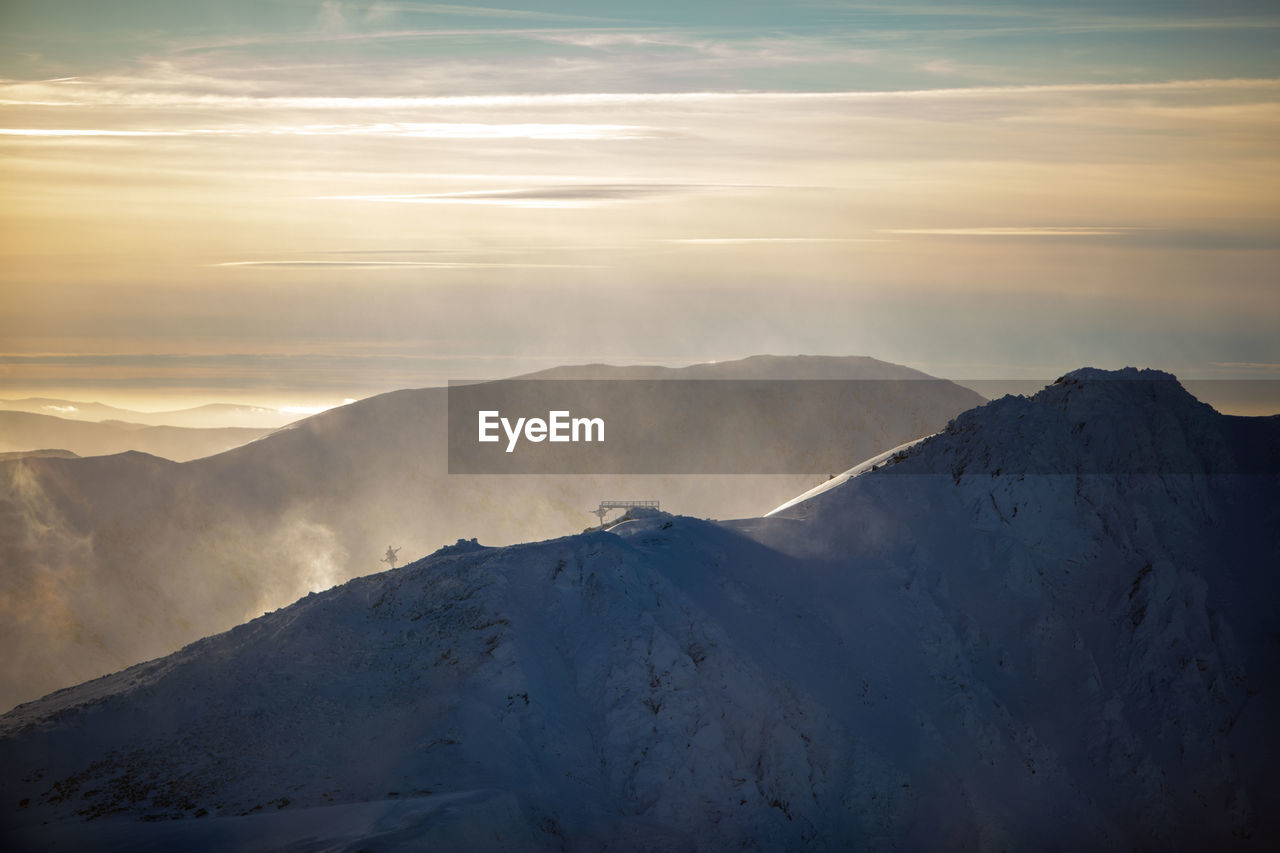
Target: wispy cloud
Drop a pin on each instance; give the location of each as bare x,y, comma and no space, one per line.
588,195
1019,231
739,241
1005,18
83,132
475,130
399,265
410,130
18,93
487,12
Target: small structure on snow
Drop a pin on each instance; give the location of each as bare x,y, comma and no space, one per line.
606,506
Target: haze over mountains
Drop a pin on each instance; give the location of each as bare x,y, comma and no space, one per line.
117,559
1052,625
92,429
213,415
26,432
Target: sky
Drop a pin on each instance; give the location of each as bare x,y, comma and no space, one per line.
292,203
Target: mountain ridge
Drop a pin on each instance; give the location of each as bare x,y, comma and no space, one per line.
903,662
25,432
196,417
200,546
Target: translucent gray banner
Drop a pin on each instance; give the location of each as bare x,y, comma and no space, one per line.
821,427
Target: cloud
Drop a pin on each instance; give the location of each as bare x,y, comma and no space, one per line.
329,18
1247,365
136,94
475,130
445,265
83,132
1011,19
737,241
299,378
485,12
588,195
413,130
1020,231
624,38
1127,235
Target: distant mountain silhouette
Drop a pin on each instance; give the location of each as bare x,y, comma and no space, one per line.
24,432
46,452
210,416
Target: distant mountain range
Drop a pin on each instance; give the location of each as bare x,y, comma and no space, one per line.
111,560
214,415
23,432
1049,626
36,454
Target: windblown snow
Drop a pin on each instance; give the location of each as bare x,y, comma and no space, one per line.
1050,626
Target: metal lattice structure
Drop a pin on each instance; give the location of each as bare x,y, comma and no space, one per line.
606,506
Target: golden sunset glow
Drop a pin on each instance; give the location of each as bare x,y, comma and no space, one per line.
335,199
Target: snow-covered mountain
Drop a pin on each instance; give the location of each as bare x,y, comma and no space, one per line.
1050,626
114,560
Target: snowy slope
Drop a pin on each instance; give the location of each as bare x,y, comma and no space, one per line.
1050,626
843,477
